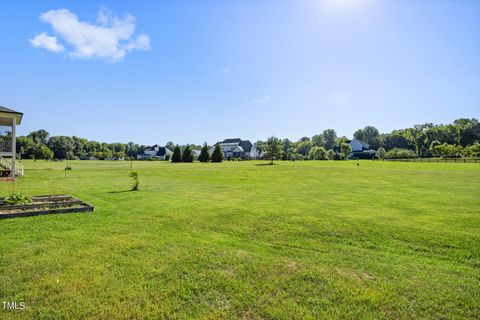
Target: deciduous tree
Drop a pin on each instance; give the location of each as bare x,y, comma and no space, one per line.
273,149
346,149
330,137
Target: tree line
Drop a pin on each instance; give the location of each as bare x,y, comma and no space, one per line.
458,139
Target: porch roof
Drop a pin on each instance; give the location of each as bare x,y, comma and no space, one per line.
7,114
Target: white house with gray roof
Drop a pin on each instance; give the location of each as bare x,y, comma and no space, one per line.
156,152
360,147
238,148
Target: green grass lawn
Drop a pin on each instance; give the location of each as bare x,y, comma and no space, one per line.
302,240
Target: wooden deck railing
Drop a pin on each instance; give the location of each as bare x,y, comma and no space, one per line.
5,146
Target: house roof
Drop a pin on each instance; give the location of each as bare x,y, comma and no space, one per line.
6,111
246,145
152,148
162,151
364,144
234,140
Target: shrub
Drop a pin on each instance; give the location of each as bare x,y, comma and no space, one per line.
473,151
317,153
297,156
398,153
362,155
381,153
167,157
330,154
447,150
337,156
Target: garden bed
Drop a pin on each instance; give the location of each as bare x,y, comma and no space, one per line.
44,205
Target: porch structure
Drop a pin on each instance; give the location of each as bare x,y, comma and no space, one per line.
8,165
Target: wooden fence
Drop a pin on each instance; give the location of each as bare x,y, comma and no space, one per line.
435,160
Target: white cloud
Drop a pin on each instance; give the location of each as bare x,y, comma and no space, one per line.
224,72
263,99
46,42
110,38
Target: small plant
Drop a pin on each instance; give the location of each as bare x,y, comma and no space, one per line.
134,176
18,198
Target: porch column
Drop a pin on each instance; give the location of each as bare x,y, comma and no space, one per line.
14,148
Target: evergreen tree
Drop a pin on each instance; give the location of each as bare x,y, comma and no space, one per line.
217,155
187,155
204,155
177,155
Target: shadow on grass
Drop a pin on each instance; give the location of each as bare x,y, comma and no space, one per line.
266,164
123,191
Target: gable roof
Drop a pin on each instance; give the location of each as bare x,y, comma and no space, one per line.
162,151
246,145
364,144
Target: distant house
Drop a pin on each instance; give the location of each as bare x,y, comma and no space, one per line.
360,150
155,152
358,145
238,148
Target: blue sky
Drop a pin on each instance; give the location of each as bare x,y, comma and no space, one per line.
195,71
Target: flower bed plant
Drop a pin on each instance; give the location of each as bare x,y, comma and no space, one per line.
22,206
